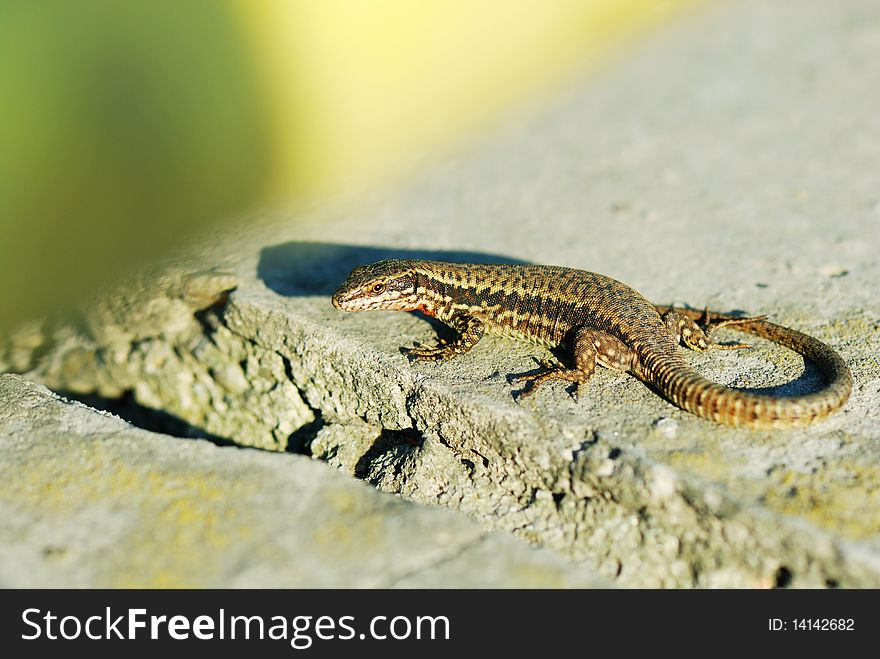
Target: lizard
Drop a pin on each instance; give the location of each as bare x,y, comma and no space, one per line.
591,319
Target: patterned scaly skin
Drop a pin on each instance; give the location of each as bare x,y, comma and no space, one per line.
594,319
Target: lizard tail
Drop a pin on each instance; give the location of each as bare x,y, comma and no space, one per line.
691,391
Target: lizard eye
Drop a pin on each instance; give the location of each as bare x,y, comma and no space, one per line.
378,287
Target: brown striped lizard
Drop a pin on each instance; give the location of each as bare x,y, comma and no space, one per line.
592,319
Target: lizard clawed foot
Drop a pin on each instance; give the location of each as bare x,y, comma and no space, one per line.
547,365
442,349
709,326
424,353
521,394
532,381
552,370
531,387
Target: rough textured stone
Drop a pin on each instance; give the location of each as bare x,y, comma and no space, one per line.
161,341
88,501
730,162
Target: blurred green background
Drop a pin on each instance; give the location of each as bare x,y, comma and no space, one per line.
129,128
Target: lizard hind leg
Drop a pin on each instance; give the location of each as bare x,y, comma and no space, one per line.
589,347
698,338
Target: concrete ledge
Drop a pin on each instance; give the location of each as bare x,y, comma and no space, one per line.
725,164
89,501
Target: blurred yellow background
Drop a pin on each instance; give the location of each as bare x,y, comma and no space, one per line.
128,128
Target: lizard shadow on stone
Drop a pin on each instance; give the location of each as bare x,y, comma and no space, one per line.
809,381
313,268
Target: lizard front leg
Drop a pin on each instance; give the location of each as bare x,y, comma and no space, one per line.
469,329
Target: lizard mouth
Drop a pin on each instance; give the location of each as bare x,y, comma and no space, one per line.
355,300
345,301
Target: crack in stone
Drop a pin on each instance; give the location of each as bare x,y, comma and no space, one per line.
454,553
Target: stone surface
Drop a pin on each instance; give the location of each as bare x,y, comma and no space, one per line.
731,161
87,500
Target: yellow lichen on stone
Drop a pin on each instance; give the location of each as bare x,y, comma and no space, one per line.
348,535
853,326
840,495
179,521
702,463
843,497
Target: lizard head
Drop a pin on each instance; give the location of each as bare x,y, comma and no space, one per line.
389,284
